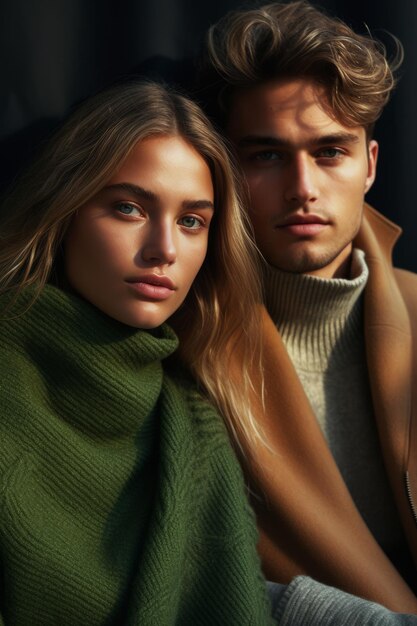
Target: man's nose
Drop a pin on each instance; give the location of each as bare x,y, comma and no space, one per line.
301,183
160,246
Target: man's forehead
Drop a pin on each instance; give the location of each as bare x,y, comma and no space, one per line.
276,97
281,106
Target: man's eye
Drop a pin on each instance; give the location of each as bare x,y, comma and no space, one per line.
191,222
127,209
330,153
267,156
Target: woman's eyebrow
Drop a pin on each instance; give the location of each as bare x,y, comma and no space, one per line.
140,192
145,194
198,204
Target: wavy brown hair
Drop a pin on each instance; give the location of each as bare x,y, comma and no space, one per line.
78,162
296,40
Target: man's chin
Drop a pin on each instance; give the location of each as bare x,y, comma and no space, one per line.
322,266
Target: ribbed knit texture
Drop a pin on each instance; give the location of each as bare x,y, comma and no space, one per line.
309,603
121,501
321,323
319,320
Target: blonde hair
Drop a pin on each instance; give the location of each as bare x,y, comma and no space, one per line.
78,162
296,40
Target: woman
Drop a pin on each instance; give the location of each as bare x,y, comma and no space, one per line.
121,499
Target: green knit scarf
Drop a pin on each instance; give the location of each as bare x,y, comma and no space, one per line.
121,501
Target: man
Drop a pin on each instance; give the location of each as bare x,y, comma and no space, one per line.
335,490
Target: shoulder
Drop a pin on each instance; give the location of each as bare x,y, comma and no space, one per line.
407,283
270,338
405,277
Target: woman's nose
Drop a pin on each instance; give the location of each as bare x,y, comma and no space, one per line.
159,246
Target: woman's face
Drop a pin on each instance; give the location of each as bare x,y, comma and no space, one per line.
135,249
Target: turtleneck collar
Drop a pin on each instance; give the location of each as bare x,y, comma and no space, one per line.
318,317
90,361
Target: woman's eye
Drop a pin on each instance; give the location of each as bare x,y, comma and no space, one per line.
191,222
127,209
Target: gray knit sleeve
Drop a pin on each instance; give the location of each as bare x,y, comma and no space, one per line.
307,602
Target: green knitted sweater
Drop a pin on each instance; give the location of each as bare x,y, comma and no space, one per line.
121,501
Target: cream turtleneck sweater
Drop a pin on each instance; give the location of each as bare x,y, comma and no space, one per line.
320,321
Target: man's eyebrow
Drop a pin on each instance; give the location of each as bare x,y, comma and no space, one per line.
343,138
145,194
260,140
278,142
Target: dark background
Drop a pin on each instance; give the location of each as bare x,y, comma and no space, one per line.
56,52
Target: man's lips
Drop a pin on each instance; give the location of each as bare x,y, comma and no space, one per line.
152,286
303,225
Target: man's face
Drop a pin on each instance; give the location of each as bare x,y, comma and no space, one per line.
307,175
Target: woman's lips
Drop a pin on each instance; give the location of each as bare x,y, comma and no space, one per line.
152,287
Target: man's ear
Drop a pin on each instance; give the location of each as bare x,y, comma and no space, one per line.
372,161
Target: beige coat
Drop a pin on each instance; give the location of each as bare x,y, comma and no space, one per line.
307,520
